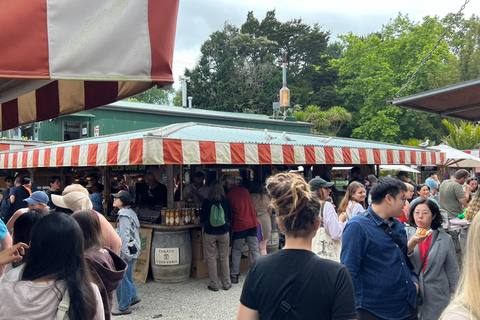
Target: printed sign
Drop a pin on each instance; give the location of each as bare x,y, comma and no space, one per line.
96,131
167,256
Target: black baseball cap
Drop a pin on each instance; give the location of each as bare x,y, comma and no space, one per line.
318,183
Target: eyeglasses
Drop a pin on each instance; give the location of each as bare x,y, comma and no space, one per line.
417,213
8,180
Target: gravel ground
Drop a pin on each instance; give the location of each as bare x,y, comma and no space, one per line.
186,300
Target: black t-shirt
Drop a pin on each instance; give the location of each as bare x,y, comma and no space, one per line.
328,294
20,193
159,195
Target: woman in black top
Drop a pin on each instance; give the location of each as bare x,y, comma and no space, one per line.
217,237
294,283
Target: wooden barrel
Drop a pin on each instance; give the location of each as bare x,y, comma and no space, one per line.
171,255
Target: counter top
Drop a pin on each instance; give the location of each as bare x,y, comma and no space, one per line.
152,225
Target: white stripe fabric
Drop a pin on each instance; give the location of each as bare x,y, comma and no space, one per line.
251,153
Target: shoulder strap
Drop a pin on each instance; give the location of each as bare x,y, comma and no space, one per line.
397,241
292,295
63,306
322,206
432,243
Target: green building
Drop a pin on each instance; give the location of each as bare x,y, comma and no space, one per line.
126,116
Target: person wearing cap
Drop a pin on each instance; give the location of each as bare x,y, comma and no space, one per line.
38,200
8,186
75,197
332,222
127,224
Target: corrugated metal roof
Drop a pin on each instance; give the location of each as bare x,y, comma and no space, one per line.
215,133
201,113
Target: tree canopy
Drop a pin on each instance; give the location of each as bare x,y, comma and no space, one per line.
239,70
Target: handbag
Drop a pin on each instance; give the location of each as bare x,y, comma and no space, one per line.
323,245
432,243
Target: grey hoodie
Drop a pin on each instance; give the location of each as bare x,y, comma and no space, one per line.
128,225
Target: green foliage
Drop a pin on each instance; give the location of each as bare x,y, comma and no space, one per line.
327,122
154,96
415,142
464,136
239,70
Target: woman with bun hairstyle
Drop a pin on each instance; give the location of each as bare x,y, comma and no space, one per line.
438,275
54,270
295,279
354,201
106,268
333,223
466,301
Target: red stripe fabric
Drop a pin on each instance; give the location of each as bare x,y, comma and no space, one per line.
237,152
75,155
136,151
10,113
48,103
60,156
208,153
162,31
35,158
413,157
390,157
112,153
329,156
46,162
424,157
25,159
92,155
310,155
172,151
24,23
6,159
15,160
99,93
264,154
288,154
363,156
401,155
347,156
377,157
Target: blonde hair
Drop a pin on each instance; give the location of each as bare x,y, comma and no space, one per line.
409,186
352,188
296,205
468,289
473,207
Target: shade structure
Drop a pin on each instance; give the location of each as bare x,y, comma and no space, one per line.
194,143
60,57
397,167
457,158
461,101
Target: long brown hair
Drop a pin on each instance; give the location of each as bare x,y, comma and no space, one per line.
352,188
216,191
90,224
296,205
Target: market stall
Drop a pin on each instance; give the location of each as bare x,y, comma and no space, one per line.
177,150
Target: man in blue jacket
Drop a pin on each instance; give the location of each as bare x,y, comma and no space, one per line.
385,286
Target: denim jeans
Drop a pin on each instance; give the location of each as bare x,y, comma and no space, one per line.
126,290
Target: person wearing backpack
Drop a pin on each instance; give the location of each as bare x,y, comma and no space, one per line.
216,213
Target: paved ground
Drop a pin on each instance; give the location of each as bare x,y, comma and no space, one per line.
187,300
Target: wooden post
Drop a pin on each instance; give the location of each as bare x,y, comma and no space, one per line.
170,186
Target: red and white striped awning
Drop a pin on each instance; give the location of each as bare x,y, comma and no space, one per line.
59,57
169,146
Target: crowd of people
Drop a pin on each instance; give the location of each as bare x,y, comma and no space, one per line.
381,265
65,265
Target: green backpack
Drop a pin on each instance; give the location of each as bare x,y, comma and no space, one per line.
217,215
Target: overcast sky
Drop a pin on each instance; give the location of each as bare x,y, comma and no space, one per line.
197,19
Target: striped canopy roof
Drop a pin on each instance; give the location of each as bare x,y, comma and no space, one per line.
193,143
60,57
